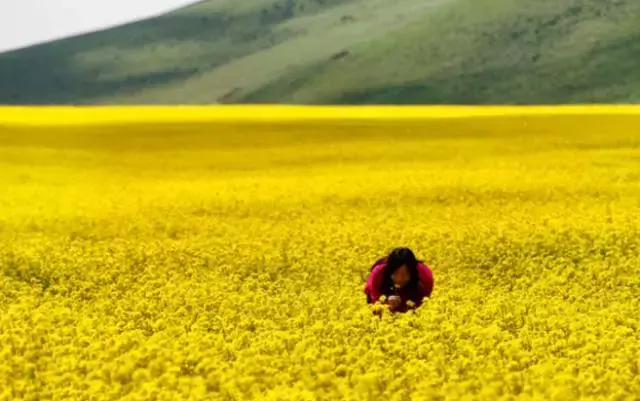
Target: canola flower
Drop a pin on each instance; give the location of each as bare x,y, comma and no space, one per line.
226,262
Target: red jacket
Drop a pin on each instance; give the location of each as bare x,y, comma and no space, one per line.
373,287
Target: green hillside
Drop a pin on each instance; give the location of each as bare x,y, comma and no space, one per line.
345,51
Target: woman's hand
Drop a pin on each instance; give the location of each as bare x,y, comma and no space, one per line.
394,301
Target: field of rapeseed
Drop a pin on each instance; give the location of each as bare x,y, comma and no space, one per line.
227,262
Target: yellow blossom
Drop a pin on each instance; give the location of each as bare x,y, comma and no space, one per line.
220,262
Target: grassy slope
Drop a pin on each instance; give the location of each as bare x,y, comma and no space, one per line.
512,52
403,51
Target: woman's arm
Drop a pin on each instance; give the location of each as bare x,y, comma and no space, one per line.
426,279
374,282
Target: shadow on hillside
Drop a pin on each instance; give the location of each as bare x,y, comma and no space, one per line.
56,73
394,94
146,54
608,73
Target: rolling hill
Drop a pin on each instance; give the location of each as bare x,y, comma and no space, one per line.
344,52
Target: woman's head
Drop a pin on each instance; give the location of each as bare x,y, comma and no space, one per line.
401,268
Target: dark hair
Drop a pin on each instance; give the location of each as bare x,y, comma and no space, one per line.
396,259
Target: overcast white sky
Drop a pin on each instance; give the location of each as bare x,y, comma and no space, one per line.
27,22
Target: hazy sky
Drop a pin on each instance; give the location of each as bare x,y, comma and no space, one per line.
26,22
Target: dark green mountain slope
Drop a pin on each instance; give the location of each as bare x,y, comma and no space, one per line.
345,51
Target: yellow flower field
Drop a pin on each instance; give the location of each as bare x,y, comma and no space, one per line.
227,262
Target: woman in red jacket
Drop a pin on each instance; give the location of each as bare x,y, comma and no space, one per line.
399,281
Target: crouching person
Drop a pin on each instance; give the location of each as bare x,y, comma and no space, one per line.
399,281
